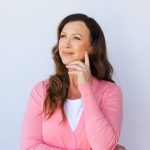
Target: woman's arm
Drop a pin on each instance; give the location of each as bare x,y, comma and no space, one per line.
102,121
31,134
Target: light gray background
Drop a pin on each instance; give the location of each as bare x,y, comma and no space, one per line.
27,33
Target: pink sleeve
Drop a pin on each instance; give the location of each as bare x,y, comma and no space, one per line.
102,121
31,134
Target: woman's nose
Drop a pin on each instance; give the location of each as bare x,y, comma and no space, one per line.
68,42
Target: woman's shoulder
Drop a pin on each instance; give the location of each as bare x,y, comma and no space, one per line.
107,89
105,85
44,83
41,86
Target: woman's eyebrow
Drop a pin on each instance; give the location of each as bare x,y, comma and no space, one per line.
77,34
72,33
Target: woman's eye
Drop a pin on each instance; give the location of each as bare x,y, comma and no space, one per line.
62,36
77,38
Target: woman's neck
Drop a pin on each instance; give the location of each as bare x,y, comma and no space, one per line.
73,81
74,92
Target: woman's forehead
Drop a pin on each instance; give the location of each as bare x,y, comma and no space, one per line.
76,27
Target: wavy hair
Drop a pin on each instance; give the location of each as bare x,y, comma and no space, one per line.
58,88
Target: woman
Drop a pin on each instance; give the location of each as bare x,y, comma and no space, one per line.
80,106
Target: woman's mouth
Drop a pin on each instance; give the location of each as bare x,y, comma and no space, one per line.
65,53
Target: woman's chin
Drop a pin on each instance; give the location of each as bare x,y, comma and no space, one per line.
65,62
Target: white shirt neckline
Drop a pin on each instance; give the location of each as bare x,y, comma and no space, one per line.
73,110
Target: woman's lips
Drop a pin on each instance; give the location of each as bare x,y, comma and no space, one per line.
67,53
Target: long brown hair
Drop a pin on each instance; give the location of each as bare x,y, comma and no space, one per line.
57,90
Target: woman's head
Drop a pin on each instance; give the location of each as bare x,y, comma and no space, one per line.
76,34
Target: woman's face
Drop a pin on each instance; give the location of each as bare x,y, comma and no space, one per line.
74,41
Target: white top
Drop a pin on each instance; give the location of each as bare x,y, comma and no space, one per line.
73,110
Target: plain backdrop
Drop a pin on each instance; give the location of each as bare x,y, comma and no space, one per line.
27,34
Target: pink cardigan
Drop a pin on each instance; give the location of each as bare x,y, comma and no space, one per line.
98,128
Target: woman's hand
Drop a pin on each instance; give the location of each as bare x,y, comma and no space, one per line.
119,147
82,70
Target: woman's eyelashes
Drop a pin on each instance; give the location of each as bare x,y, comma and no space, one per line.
74,37
77,38
62,36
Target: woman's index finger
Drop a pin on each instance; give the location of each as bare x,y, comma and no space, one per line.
87,62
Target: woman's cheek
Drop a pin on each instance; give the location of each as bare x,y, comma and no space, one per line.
81,54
